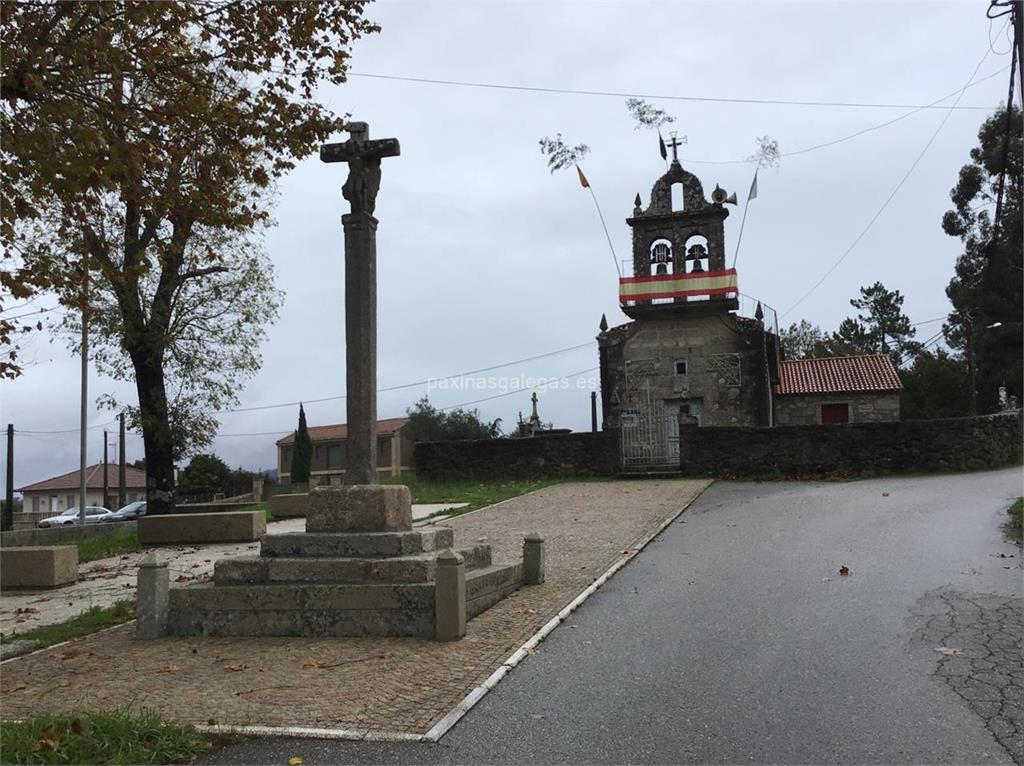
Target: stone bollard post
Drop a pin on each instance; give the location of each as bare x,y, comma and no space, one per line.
151,599
449,597
533,559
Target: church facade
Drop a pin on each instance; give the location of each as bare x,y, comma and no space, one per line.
687,355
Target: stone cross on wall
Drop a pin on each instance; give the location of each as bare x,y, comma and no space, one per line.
363,157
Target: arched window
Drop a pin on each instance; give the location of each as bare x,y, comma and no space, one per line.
696,254
677,197
661,257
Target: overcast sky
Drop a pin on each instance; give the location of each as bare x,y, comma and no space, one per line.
485,257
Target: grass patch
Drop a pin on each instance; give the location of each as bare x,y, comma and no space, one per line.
477,493
118,737
1015,526
95,618
103,546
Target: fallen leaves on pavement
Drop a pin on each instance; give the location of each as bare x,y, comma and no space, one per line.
16,686
237,667
295,761
529,610
844,571
169,669
948,651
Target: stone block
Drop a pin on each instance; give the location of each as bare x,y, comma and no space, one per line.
200,528
367,544
533,559
450,597
241,569
38,566
288,506
360,508
151,599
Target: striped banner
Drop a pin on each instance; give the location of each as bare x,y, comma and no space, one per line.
713,283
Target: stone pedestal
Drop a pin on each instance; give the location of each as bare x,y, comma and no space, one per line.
359,569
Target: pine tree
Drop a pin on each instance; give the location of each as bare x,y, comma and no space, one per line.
302,452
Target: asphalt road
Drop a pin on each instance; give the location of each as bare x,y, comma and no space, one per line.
733,639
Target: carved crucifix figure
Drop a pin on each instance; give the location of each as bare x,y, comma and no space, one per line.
363,157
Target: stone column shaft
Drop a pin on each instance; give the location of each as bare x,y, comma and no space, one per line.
361,347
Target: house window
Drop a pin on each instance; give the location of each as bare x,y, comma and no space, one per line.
835,413
317,453
70,501
286,459
335,455
680,366
384,448
35,503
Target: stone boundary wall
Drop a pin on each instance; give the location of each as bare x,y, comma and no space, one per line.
63,534
572,454
909,446
221,506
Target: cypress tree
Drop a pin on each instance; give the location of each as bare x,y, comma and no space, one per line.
302,452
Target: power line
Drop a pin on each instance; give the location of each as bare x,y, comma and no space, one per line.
443,409
68,430
26,314
418,382
660,96
861,132
892,194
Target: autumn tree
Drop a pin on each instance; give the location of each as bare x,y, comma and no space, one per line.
147,133
986,288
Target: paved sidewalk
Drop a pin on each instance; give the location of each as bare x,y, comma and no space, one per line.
365,684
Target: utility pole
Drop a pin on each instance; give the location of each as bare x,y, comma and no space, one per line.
106,481
971,375
83,446
120,470
1018,40
7,521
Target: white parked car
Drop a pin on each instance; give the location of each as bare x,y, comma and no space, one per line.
93,515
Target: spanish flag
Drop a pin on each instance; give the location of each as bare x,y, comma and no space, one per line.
583,179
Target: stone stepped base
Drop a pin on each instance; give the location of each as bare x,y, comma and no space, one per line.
417,568
356,544
327,610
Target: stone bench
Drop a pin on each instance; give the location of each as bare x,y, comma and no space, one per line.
288,506
38,566
202,528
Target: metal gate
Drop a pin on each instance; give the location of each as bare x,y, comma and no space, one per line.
650,438
649,433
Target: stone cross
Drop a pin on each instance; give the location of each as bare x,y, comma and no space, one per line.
363,157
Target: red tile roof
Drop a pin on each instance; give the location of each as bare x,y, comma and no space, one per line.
133,479
340,431
840,374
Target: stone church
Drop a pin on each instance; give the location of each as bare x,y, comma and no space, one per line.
689,355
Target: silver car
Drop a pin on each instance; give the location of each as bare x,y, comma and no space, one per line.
93,515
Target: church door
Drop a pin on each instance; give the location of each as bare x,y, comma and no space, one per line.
673,409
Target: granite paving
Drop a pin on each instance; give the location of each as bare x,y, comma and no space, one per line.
363,684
